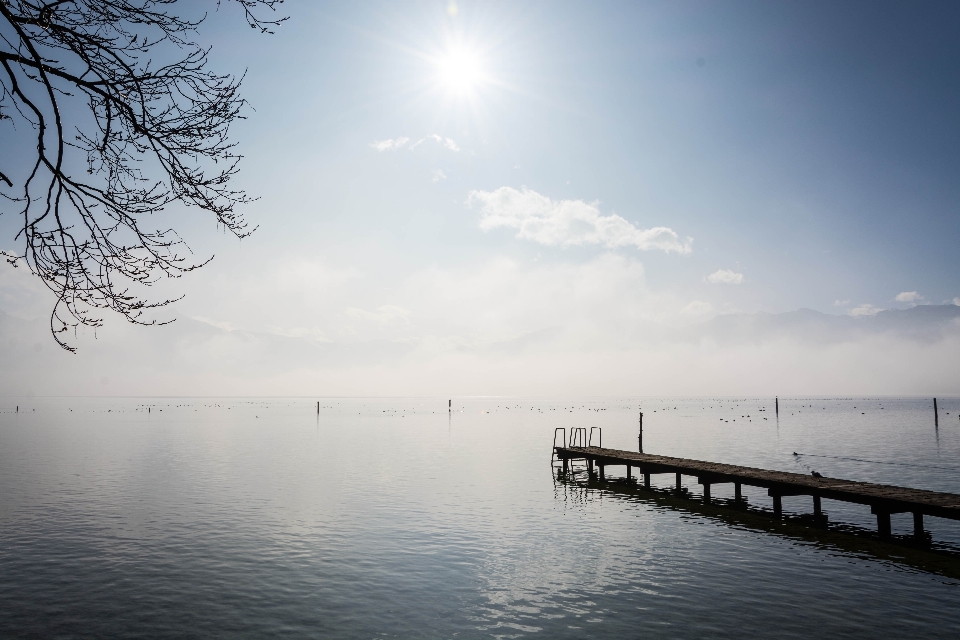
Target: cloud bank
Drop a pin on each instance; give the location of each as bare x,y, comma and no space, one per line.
797,353
567,222
499,326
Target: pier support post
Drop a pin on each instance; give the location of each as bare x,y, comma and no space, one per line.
918,525
706,493
737,493
777,506
628,473
646,480
817,510
565,466
679,486
590,466
883,524
602,477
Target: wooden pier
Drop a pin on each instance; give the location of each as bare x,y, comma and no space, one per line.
882,499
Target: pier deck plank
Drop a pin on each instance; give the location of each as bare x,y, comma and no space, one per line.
882,498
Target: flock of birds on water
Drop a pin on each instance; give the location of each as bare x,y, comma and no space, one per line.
424,408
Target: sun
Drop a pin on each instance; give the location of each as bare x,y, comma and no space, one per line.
460,70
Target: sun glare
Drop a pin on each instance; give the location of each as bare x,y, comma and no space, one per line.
460,70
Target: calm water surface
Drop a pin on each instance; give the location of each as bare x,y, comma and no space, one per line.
390,518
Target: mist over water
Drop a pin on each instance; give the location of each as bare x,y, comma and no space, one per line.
383,518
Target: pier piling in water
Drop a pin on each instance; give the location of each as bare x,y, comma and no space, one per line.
936,414
883,521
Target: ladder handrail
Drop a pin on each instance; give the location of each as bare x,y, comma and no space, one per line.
578,435
599,436
563,440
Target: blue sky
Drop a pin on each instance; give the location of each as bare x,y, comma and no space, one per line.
463,174
812,147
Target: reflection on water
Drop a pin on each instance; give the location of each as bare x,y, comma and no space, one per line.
905,550
382,518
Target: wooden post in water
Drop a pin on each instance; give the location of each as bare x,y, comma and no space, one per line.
776,404
777,506
449,406
918,524
817,509
737,493
679,486
646,481
640,437
936,414
883,524
318,407
628,472
602,477
706,493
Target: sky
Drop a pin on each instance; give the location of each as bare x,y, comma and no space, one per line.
559,198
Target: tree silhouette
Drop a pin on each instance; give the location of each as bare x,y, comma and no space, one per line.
122,117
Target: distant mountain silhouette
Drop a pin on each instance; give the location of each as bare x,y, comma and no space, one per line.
925,323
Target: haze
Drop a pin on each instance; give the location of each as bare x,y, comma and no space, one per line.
556,198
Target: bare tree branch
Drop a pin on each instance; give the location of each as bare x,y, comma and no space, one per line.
117,137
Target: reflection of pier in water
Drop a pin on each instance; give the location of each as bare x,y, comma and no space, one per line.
841,538
883,500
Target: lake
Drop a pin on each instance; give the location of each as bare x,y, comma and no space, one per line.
394,518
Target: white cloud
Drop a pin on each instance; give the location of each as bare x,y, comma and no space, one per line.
389,145
841,303
567,222
956,301
909,296
438,175
445,142
865,309
725,276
